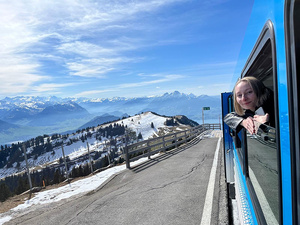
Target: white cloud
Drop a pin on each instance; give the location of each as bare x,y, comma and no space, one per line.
45,87
88,70
94,92
95,67
17,75
88,38
84,49
164,78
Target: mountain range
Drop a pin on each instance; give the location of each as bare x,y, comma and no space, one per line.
28,116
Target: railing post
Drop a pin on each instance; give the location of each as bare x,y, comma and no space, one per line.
185,136
164,144
127,158
149,153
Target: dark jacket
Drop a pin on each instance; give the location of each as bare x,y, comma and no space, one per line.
233,120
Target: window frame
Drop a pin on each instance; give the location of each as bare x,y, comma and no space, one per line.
292,55
266,36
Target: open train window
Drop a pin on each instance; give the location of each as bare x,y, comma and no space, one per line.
292,31
261,151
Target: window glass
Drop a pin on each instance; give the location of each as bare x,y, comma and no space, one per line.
263,171
261,148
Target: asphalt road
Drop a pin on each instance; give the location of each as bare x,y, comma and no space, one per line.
169,189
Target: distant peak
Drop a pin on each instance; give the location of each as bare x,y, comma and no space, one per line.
174,94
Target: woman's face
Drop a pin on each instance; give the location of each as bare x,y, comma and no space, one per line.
245,96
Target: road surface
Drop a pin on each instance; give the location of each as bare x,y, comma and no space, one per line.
169,189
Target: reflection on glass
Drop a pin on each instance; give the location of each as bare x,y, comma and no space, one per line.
263,171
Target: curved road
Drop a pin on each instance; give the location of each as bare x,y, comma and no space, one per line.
169,189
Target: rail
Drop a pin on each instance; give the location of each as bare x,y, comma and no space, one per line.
152,146
212,126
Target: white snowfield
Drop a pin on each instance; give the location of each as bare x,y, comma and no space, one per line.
72,190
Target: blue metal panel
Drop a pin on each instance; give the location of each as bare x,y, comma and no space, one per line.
283,112
262,11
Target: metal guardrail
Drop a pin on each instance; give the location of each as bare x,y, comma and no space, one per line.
163,143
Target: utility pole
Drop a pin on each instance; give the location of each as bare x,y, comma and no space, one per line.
66,168
27,168
108,151
88,148
126,152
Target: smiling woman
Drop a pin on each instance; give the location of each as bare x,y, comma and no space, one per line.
249,95
245,96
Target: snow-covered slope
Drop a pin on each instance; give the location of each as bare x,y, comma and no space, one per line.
140,123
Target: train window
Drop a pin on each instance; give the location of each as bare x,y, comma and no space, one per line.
261,151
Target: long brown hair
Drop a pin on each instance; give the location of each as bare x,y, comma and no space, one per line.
259,89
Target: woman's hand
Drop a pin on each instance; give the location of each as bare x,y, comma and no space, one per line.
261,119
249,124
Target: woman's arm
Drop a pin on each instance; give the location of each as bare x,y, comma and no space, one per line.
233,120
236,122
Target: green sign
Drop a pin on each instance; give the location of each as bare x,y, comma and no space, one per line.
206,108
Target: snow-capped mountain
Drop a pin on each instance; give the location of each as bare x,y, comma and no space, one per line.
47,115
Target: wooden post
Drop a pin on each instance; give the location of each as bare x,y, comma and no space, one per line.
66,167
149,153
27,169
164,144
91,163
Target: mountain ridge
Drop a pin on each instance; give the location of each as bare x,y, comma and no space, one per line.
30,111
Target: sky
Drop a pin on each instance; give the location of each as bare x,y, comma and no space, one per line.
119,48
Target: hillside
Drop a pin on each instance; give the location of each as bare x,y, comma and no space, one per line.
46,150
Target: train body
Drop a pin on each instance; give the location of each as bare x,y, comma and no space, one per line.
263,170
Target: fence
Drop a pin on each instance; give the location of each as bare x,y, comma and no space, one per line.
163,143
213,126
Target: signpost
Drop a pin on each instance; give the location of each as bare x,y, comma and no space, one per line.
204,108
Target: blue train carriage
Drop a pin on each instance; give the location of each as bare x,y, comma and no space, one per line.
263,170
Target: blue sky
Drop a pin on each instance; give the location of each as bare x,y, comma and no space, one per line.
125,48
